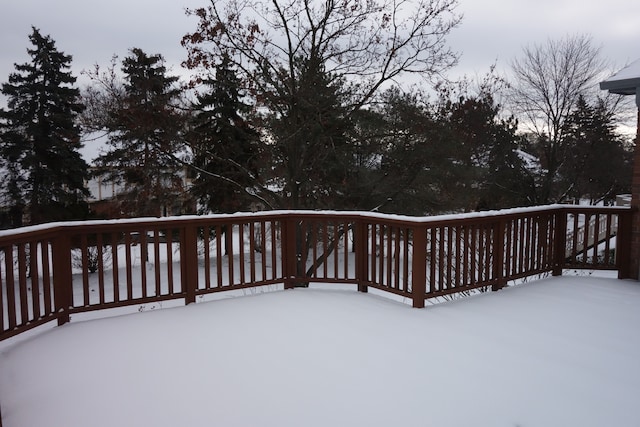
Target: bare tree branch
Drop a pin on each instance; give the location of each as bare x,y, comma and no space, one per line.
368,43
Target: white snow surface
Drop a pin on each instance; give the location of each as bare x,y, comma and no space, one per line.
552,352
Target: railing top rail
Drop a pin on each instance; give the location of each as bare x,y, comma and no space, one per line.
25,234
596,209
43,230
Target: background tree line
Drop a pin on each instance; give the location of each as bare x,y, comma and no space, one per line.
299,106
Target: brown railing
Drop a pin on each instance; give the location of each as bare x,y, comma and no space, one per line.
53,271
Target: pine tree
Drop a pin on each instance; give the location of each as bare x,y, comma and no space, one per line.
40,139
225,147
405,157
490,174
597,166
144,136
312,151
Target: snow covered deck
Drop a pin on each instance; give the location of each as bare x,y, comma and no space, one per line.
315,355
553,352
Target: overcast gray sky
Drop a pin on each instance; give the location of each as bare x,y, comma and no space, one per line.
491,30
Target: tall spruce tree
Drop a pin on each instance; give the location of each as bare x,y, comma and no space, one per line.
597,165
312,154
145,133
225,147
40,139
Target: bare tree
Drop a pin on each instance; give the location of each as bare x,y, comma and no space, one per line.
102,96
367,42
309,65
548,81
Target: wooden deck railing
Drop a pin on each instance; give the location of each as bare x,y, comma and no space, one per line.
53,271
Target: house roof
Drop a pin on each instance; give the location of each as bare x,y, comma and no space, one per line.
625,81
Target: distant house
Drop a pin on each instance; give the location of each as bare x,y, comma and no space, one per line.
109,199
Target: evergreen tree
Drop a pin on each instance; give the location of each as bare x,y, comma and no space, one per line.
40,138
225,147
145,133
597,166
406,156
455,155
487,172
312,151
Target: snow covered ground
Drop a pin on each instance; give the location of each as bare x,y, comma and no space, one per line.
553,352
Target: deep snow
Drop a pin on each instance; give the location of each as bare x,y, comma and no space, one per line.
553,352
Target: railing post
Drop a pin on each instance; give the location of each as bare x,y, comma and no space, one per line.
559,242
360,249
62,278
289,252
623,245
189,262
498,257
419,265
